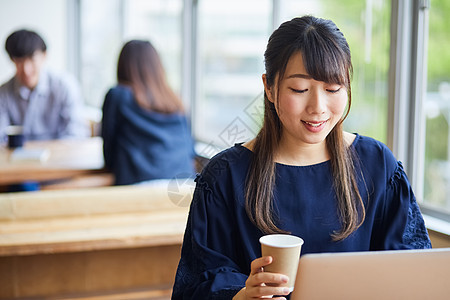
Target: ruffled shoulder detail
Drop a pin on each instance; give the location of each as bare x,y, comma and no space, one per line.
398,174
201,185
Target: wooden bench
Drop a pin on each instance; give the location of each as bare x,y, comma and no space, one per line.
86,241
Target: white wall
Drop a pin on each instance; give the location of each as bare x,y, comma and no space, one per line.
46,17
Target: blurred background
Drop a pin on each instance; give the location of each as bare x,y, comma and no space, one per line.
213,54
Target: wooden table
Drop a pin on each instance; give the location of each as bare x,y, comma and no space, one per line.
92,241
66,158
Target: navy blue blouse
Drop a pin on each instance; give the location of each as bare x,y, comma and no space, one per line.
140,145
220,241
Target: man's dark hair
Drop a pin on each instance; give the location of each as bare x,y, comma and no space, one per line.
23,43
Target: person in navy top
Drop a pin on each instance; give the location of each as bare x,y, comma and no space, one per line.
144,128
302,174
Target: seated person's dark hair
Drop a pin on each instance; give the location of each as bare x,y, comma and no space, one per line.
23,43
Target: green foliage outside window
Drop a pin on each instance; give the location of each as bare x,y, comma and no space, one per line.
437,123
370,56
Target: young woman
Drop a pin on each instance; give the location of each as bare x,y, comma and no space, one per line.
144,129
302,175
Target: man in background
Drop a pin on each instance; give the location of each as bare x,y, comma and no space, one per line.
46,105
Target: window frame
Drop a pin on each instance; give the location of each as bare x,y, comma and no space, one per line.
407,92
407,86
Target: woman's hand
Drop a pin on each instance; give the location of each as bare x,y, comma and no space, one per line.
262,284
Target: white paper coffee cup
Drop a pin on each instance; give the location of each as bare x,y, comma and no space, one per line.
285,250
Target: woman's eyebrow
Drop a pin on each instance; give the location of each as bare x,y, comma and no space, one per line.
299,76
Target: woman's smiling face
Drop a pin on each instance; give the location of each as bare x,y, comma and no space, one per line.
308,109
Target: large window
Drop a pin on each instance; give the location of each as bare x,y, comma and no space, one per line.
212,51
226,54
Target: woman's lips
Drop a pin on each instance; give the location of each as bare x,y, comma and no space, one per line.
314,126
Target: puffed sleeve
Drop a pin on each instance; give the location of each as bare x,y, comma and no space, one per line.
404,224
207,269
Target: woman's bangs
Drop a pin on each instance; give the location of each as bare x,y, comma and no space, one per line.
325,62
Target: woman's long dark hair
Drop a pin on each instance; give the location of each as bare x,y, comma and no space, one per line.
326,56
140,68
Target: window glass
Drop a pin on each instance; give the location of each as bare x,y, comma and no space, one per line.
231,39
437,110
158,21
99,46
366,26
107,24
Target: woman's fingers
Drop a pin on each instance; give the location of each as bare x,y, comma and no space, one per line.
258,264
264,284
266,291
266,279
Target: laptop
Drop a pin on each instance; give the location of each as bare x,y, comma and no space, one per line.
386,275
